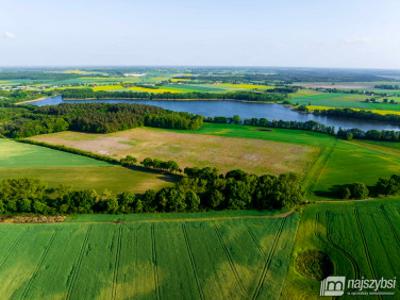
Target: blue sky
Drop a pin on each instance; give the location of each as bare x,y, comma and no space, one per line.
310,33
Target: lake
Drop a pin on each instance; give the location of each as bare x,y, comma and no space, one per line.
245,110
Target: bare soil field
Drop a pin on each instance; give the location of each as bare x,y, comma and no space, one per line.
225,153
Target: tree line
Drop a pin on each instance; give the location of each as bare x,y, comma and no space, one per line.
277,94
348,134
95,118
383,187
358,114
200,190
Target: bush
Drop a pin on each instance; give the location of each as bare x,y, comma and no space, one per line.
314,264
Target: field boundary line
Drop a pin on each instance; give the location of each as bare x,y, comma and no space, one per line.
76,268
267,264
201,219
154,260
230,259
192,260
37,268
116,264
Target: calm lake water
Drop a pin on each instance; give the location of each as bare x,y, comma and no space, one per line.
245,110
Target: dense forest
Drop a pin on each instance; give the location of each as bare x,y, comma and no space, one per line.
88,93
94,118
201,189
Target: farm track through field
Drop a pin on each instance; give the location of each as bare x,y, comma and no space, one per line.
201,219
116,264
364,240
340,249
154,260
10,250
75,270
319,165
230,260
192,261
37,268
268,261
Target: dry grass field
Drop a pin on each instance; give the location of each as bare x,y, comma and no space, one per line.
225,153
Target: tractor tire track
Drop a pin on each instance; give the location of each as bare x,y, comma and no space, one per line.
116,265
154,260
78,264
37,268
392,227
340,249
253,237
364,240
13,246
268,261
230,259
192,261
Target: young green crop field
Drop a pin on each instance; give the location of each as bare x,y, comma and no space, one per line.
331,161
361,238
242,258
19,160
215,255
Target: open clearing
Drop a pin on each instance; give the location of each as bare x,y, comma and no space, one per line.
215,255
225,153
56,167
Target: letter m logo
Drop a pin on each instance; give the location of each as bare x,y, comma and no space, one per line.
333,286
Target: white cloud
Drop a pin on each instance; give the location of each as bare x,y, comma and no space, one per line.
8,35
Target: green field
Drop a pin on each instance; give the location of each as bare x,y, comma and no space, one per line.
340,100
19,160
186,259
352,235
223,255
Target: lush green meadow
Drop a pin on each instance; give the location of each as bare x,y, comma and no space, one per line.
188,259
19,160
361,238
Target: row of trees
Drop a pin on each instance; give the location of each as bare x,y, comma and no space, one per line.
348,134
383,187
201,189
358,114
95,118
277,94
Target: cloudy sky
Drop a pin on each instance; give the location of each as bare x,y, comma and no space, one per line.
309,33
